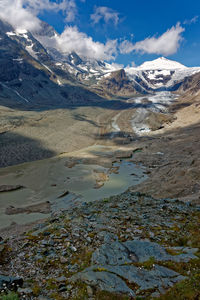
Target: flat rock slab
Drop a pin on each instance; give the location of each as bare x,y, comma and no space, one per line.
135,251
110,270
157,278
105,281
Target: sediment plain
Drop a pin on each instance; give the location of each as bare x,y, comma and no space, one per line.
137,240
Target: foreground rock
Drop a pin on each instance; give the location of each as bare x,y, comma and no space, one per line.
134,251
122,247
113,262
158,278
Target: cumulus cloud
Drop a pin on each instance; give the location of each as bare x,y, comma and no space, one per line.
73,40
14,13
104,13
23,13
166,44
117,66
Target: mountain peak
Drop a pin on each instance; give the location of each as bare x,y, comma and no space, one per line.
160,64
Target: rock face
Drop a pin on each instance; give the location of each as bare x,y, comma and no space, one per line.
112,262
104,281
118,84
134,251
191,85
110,279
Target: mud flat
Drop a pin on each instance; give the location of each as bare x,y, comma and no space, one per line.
65,181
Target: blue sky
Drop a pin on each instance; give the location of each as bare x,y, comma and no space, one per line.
135,30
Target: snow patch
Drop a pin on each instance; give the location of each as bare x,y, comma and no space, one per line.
160,64
10,33
16,92
47,68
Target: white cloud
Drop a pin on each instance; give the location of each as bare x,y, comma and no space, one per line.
105,13
23,13
117,66
73,40
191,21
14,13
166,44
126,47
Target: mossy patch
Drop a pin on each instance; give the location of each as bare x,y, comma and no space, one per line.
10,296
103,295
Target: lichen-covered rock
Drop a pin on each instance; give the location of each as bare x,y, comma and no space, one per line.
157,277
104,281
134,251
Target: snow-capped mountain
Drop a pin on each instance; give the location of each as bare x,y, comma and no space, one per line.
160,74
41,46
161,63
29,76
84,69
34,70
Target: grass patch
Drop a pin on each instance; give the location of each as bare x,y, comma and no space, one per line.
103,295
187,289
10,296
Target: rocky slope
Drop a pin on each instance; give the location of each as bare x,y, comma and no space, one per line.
115,248
191,86
25,80
117,84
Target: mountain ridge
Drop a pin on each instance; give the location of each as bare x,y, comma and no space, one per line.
74,77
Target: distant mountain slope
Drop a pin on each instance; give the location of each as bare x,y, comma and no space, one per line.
190,96
29,76
34,73
118,84
191,85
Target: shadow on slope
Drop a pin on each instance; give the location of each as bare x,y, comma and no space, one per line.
16,149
